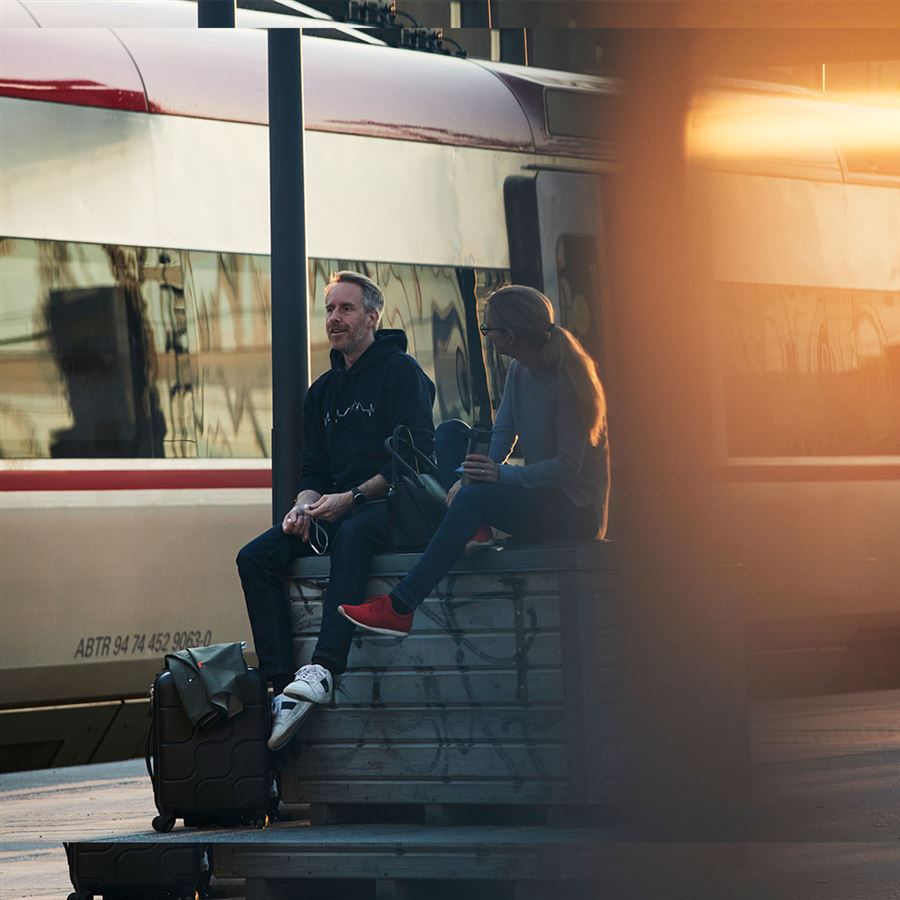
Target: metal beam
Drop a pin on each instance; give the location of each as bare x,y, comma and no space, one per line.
290,338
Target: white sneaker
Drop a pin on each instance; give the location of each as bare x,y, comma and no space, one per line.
287,715
312,683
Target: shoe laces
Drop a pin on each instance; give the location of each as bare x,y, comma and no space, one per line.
312,674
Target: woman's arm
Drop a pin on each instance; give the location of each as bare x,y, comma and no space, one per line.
503,432
565,464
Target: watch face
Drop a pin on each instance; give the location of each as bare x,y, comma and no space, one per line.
359,498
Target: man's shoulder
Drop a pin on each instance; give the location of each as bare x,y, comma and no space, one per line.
403,363
320,381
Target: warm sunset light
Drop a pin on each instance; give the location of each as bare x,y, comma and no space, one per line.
734,125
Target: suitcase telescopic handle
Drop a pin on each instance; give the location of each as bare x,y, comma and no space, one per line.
148,749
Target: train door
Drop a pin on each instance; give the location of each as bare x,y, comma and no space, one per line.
554,222
556,244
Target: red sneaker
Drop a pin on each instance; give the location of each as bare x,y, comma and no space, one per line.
377,614
483,537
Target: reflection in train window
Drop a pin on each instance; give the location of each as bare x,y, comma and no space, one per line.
109,351
230,298
580,294
810,371
429,303
80,374
486,282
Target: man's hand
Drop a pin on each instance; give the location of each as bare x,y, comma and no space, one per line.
330,507
297,522
454,490
478,467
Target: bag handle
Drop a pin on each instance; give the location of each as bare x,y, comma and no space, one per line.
148,748
391,444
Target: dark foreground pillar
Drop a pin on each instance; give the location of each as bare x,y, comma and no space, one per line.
685,652
290,340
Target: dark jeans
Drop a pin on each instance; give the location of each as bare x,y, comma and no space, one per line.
266,560
530,513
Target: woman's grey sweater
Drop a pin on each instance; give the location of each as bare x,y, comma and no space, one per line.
539,409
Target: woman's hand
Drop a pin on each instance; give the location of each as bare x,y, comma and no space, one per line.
478,467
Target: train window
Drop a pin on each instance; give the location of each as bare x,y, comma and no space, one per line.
32,399
810,371
157,284
230,295
80,373
111,351
579,292
496,366
578,114
430,305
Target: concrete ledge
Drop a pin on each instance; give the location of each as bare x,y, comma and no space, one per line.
507,691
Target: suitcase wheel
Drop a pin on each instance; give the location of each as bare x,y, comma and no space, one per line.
162,824
260,821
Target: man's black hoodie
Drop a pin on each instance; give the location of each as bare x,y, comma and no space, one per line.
348,413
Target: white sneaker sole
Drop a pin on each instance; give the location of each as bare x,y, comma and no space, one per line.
287,732
388,631
478,546
296,688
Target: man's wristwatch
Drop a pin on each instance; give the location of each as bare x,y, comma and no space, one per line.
359,498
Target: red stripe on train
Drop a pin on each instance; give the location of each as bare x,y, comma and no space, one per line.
209,479
136,480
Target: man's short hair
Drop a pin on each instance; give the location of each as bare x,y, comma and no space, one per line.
373,299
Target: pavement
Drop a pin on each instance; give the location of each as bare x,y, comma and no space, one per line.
822,823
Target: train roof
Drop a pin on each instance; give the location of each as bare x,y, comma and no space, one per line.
137,14
149,58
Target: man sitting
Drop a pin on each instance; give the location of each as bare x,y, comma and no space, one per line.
373,386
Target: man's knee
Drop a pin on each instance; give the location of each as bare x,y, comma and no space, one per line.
246,557
470,495
259,551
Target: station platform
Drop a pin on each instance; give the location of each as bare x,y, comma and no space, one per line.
823,822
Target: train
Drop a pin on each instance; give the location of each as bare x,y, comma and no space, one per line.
135,354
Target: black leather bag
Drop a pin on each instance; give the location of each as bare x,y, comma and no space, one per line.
416,501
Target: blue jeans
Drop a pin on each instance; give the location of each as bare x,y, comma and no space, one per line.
266,560
536,514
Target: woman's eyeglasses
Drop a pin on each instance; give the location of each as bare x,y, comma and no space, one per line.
485,330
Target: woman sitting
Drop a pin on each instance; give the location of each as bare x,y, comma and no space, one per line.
553,403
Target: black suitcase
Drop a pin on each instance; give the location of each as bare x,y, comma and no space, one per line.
127,871
219,774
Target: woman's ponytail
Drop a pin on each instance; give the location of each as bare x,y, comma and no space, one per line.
527,312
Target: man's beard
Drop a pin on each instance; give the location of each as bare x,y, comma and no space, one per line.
351,339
